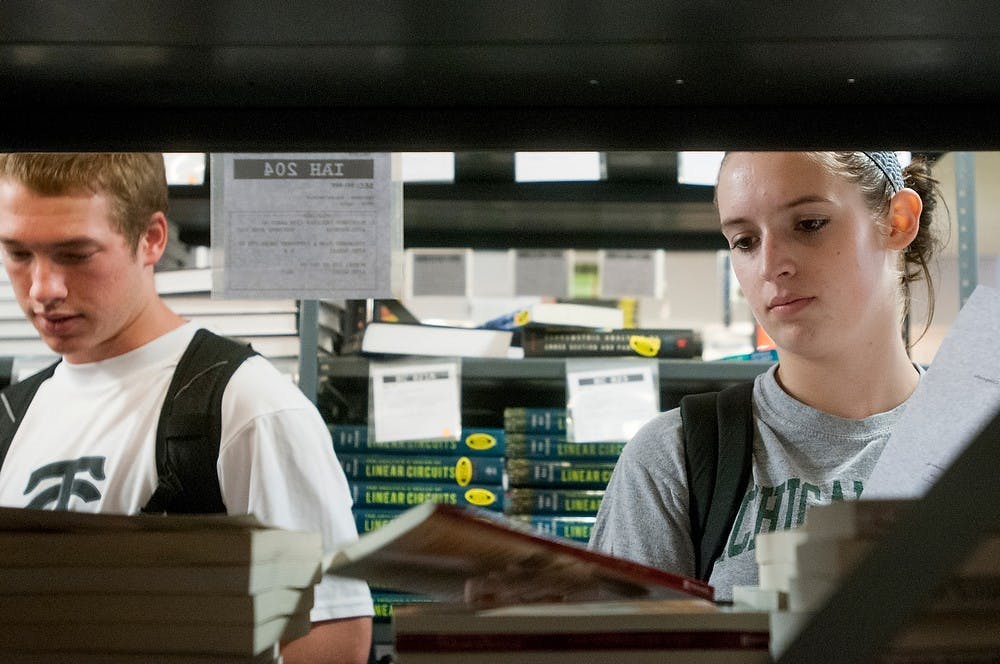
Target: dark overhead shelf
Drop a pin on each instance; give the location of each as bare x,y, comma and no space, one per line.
318,75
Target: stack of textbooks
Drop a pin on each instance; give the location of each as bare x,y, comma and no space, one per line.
805,566
678,631
555,485
390,476
271,326
186,589
387,478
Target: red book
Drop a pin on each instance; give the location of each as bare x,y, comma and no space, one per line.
455,553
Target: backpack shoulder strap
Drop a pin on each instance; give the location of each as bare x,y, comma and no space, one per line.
718,446
14,402
189,430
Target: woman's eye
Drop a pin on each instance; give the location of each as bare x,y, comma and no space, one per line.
741,244
812,225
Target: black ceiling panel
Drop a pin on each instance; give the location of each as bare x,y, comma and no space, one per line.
478,75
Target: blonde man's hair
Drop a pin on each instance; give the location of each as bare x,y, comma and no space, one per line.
134,182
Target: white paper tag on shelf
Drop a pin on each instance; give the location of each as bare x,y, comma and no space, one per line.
609,400
415,400
306,226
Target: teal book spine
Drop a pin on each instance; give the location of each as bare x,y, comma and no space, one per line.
566,502
369,519
577,528
459,470
477,442
403,495
544,446
348,437
577,474
534,420
385,600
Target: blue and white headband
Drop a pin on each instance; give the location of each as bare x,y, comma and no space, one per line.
889,165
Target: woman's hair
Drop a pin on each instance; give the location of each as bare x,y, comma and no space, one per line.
134,182
878,188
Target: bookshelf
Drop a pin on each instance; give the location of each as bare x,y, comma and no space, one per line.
613,76
536,381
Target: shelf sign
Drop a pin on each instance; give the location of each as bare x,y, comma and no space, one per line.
542,272
306,226
439,271
609,400
415,400
631,272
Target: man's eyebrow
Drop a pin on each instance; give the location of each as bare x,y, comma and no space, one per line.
71,243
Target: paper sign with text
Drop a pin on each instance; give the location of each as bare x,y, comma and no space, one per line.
610,400
415,400
306,226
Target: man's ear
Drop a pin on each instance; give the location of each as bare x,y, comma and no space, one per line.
153,242
904,218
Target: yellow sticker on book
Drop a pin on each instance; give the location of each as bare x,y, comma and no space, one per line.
645,346
480,497
522,317
463,471
480,441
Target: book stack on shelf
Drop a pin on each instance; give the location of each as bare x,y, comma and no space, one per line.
271,326
495,583
330,322
554,485
387,328
77,587
805,566
387,478
579,329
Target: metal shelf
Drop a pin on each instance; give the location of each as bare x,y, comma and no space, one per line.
555,369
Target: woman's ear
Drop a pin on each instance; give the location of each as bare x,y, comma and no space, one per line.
904,218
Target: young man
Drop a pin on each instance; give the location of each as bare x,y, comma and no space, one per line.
79,235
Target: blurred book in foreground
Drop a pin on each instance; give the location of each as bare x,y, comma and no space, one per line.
457,554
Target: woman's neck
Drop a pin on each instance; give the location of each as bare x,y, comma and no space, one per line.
851,387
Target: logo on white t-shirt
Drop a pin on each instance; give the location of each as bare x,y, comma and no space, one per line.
56,496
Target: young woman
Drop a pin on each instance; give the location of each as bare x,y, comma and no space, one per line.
825,247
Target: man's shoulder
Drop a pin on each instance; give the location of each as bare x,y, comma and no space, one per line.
259,382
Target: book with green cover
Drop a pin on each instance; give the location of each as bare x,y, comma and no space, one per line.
577,474
571,527
553,501
484,441
407,494
545,446
460,470
368,519
534,420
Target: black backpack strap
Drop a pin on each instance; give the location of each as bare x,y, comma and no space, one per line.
718,450
189,430
14,402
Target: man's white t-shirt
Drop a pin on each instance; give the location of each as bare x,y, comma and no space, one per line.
88,443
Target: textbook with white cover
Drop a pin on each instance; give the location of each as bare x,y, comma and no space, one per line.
433,340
